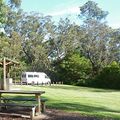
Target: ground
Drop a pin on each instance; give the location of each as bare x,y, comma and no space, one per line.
53,114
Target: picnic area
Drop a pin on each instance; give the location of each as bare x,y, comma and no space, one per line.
59,60
80,103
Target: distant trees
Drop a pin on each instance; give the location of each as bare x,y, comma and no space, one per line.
76,54
100,43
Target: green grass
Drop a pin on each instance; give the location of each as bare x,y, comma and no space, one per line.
87,101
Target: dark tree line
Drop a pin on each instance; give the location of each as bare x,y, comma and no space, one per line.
87,54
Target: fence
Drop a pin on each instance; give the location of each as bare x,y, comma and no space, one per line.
42,84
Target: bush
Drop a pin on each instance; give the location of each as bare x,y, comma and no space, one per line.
74,69
109,77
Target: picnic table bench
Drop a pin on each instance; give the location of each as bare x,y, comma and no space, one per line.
11,101
32,106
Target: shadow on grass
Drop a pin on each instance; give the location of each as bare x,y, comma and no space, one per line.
77,107
83,108
80,88
69,106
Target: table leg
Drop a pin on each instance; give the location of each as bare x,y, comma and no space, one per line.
39,104
0,100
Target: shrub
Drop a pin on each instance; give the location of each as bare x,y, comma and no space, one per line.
109,77
74,69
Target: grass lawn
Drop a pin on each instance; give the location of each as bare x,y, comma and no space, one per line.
83,100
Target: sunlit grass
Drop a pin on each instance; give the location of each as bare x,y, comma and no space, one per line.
83,100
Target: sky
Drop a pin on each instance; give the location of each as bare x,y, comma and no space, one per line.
70,8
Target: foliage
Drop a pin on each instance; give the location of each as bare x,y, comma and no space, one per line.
6,8
96,36
10,47
94,44
41,45
114,45
64,39
74,68
109,77
90,10
15,3
3,12
16,70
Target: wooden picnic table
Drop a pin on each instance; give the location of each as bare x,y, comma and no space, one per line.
36,93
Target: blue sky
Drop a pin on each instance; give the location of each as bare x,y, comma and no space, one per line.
70,8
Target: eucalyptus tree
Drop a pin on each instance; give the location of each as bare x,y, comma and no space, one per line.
90,10
8,11
4,47
33,29
6,8
64,39
15,48
14,3
63,42
114,45
94,42
3,11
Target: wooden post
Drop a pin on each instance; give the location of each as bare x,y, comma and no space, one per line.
0,100
4,74
5,63
39,103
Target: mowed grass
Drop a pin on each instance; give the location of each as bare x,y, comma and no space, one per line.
101,103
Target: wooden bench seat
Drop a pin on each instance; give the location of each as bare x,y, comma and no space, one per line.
33,107
5,99
23,99
16,104
17,99
43,100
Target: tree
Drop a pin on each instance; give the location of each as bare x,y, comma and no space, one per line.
109,77
5,10
74,69
13,22
114,45
94,43
10,47
15,3
15,48
90,10
33,29
64,40
41,61
4,47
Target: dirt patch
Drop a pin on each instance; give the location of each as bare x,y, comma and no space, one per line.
52,114
61,115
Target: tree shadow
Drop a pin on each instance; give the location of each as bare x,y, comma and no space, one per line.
90,89
83,108
68,106
73,106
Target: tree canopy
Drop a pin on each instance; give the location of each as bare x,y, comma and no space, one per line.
75,54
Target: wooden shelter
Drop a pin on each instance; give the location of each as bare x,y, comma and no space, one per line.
6,63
